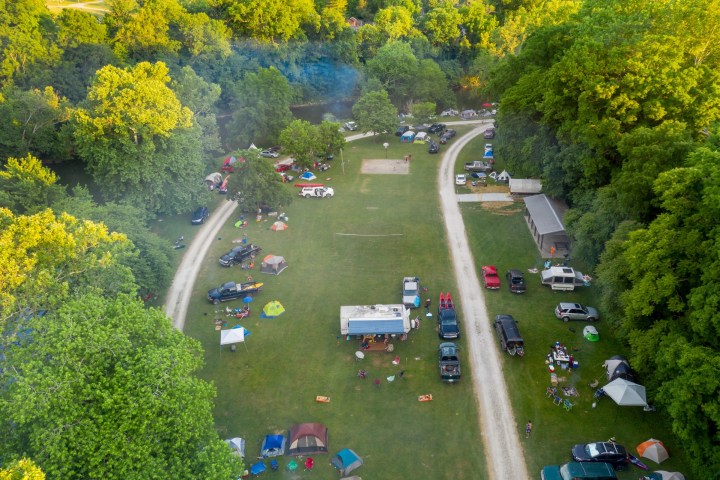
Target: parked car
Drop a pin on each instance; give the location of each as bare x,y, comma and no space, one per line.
450,112
447,135
350,126
449,362
516,281
579,471
491,280
239,254
448,326
199,216
269,154
574,311
231,291
283,167
401,129
436,128
317,192
609,452
411,292
460,179
509,335
489,133
433,147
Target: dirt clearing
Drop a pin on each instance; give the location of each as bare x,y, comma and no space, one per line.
387,167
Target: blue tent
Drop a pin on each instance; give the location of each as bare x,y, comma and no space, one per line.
488,155
346,461
408,137
272,446
308,176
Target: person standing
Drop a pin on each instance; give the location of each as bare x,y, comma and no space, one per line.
428,302
528,429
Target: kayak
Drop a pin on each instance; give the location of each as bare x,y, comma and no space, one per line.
636,461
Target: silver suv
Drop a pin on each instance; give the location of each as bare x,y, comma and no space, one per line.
575,311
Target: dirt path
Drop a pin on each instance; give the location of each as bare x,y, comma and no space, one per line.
178,296
499,430
503,451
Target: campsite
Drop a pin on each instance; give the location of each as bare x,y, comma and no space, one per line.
336,259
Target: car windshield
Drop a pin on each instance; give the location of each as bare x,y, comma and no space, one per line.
593,450
411,288
517,280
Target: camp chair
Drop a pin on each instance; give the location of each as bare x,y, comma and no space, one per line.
567,405
557,400
550,392
274,465
309,463
292,466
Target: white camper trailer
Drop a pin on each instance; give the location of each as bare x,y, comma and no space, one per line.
562,278
374,319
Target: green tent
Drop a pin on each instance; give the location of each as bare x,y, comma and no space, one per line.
591,334
273,309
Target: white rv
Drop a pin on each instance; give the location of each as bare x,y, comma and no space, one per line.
562,278
374,319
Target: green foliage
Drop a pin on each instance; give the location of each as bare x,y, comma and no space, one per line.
76,27
256,184
200,97
77,67
27,187
375,113
442,25
261,107
96,367
396,66
395,22
22,469
269,20
299,140
423,112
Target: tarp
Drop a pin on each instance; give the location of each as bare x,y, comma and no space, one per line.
654,450
308,439
279,226
273,264
346,461
258,468
273,309
273,446
233,335
626,393
238,446
308,176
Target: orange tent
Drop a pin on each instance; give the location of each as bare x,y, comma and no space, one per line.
654,450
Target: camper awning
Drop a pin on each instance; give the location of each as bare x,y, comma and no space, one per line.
543,215
376,327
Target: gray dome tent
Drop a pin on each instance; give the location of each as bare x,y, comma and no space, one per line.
273,264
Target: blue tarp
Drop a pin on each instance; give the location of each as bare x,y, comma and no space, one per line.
376,327
272,446
258,468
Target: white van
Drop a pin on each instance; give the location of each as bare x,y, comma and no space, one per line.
421,137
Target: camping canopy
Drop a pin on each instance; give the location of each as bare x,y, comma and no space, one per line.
273,264
272,446
233,335
626,393
346,461
308,439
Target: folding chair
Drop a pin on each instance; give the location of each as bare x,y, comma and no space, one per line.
274,465
557,400
550,392
292,466
567,405
309,463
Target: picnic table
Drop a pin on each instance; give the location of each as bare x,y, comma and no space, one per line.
560,354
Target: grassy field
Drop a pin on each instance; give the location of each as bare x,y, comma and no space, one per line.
354,249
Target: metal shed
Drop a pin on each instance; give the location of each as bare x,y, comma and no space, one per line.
544,218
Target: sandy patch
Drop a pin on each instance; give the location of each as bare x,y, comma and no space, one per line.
386,167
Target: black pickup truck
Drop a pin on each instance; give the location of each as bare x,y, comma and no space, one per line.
449,362
231,291
239,254
447,320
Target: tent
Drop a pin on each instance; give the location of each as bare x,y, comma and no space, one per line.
308,439
591,334
238,446
273,309
273,264
279,226
231,336
626,393
213,180
653,450
253,147
308,176
488,155
503,176
346,461
663,475
618,367
272,446
408,137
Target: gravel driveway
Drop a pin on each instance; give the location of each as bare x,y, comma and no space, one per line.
498,428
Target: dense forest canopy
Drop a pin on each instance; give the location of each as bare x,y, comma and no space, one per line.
614,104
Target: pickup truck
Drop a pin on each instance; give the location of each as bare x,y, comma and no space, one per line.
478,166
231,291
447,320
449,362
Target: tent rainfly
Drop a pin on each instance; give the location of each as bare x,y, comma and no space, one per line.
272,446
273,264
346,461
308,439
279,226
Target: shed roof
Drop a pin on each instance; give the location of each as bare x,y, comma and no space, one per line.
544,215
525,185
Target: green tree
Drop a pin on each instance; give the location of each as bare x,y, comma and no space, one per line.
478,24
22,469
261,107
375,113
330,140
395,22
26,186
268,20
423,112
76,27
139,142
442,25
200,97
256,183
98,366
300,141
30,120
396,66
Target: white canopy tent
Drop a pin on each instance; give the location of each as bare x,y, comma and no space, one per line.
232,336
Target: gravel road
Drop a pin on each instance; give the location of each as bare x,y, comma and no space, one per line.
499,430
